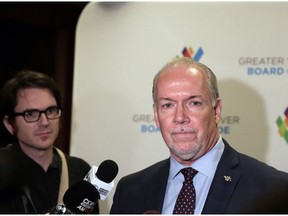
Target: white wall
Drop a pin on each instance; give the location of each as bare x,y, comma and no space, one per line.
121,46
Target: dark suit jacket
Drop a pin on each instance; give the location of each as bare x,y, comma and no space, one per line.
254,188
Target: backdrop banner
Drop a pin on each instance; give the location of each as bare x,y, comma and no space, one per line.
121,46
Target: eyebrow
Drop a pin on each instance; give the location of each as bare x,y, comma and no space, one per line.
189,98
35,109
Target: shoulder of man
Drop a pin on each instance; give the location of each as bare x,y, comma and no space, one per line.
11,169
157,170
77,168
75,163
247,164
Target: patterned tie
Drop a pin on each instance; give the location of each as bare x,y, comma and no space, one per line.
185,203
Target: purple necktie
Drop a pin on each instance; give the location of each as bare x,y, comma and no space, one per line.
185,203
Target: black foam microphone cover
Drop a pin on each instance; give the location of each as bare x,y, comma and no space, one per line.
81,197
107,171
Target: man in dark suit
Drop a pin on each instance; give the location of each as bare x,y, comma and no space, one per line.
187,109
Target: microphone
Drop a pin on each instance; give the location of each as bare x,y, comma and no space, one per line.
60,209
102,177
80,198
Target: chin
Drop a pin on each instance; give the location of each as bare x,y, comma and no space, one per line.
45,146
187,157
185,154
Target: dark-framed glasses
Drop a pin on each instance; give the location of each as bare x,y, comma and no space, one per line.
33,115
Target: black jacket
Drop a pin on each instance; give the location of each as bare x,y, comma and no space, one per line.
26,188
254,188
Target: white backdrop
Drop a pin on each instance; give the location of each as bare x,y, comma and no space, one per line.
121,46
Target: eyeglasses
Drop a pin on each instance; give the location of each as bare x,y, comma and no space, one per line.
33,115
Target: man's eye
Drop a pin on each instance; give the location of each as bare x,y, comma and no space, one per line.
167,106
31,113
51,110
196,103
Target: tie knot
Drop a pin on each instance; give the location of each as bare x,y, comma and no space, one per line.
188,173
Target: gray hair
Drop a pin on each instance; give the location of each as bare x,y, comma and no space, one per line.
189,62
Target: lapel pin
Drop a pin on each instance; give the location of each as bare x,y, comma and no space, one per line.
228,178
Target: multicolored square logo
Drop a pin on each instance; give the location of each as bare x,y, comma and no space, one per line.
283,125
189,52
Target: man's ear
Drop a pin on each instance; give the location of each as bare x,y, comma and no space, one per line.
218,110
155,115
8,125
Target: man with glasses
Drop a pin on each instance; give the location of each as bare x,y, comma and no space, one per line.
35,174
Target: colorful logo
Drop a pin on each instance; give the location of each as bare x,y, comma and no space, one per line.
283,125
189,52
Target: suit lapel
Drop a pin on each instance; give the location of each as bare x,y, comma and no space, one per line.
224,182
157,187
